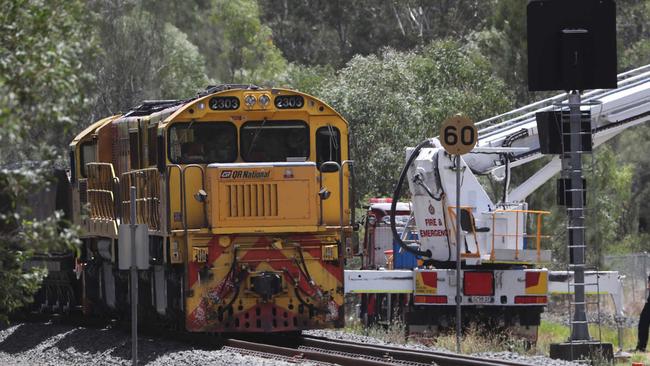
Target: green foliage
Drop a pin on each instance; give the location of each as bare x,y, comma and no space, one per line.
637,55
633,33
247,49
315,32
307,79
180,71
142,57
41,75
632,25
22,236
610,209
608,199
42,81
397,99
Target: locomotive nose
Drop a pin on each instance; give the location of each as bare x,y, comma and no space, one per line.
266,284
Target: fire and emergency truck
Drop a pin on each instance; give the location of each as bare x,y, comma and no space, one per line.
409,251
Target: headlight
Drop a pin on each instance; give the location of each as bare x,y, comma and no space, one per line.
264,100
250,100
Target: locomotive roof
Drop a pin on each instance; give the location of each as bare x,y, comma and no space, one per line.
203,97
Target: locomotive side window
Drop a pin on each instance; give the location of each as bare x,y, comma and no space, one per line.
134,148
202,143
152,142
328,146
265,141
88,155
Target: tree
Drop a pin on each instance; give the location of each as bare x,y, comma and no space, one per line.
247,48
142,57
42,83
42,79
316,32
397,99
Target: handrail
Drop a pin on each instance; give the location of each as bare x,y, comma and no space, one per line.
100,191
538,235
117,198
351,207
146,181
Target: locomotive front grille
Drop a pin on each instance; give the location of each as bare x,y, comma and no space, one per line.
258,196
253,200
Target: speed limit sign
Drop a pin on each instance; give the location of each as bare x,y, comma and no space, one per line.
458,135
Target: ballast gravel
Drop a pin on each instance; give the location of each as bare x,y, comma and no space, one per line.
45,344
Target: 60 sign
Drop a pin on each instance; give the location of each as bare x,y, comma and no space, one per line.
458,135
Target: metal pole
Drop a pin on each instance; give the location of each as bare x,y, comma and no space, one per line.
134,282
576,227
458,238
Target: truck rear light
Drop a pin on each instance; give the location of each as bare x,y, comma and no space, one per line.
478,283
530,300
423,299
532,278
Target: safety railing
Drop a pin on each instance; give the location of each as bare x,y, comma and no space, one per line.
538,230
147,184
101,191
517,235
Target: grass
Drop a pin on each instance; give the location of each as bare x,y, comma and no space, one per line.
477,339
395,333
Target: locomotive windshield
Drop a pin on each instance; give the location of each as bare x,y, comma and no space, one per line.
265,141
202,143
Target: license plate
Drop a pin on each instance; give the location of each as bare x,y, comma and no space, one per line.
481,299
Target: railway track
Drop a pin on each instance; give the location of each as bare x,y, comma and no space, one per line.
313,349
331,351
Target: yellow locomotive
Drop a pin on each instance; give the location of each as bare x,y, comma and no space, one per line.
245,192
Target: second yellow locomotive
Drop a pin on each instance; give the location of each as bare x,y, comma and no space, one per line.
245,192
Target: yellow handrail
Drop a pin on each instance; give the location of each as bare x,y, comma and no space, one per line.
100,191
538,235
147,186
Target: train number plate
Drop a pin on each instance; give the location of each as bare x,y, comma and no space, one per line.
480,299
200,254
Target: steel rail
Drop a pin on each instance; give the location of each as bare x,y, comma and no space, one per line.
304,354
404,354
